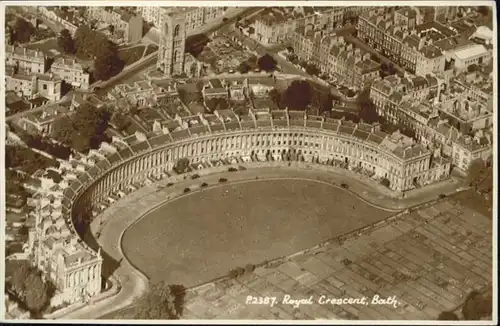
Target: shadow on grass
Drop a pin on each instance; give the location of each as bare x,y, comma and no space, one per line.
146,27
179,292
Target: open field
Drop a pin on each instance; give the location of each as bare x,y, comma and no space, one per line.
203,235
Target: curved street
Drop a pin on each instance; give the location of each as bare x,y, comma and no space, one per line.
121,214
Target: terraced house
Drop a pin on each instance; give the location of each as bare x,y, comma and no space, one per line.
276,24
72,72
126,21
54,247
33,86
25,60
333,56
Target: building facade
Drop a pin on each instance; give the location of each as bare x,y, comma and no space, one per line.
69,198
195,17
404,37
71,72
25,60
46,85
55,248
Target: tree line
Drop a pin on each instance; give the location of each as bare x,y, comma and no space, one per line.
26,160
42,143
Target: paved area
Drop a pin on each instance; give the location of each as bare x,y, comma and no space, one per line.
134,284
427,262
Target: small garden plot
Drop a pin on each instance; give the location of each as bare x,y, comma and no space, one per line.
131,55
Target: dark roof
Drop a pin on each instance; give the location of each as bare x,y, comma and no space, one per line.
113,158
103,165
125,153
180,134
93,171
199,130
159,140
140,147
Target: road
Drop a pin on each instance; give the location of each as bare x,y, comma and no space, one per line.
121,215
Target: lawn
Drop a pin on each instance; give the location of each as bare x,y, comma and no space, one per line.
50,46
151,48
131,55
202,236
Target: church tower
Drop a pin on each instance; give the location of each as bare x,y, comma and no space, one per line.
172,43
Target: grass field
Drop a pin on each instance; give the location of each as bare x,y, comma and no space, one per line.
204,235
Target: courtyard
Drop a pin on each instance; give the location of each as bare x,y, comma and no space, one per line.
224,54
204,235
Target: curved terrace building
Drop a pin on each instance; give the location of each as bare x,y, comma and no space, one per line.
93,182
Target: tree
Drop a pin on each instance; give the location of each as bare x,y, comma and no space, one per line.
93,44
298,95
84,129
244,67
267,63
120,121
37,294
311,69
323,101
22,31
107,65
181,165
475,172
30,289
19,277
472,306
368,111
66,42
293,58
158,303
447,315
83,35
275,96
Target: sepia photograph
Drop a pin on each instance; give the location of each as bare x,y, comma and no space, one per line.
249,162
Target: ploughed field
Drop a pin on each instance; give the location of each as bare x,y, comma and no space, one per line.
205,234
